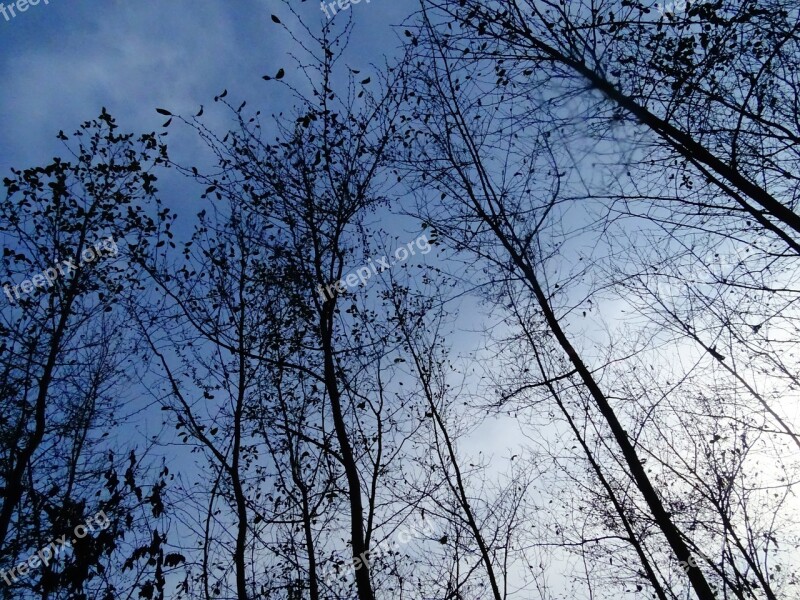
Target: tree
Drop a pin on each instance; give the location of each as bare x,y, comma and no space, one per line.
66,359
295,209
671,75
501,212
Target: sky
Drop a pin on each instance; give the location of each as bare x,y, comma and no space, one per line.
61,62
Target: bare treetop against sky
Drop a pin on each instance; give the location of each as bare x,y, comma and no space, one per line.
425,300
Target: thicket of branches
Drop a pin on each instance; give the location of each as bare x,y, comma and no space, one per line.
610,194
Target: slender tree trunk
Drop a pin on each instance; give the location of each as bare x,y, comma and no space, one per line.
359,545
496,221
660,515
14,485
458,488
683,143
637,546
238,491
313,579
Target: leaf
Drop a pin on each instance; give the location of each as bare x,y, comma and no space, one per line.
275,19
168,122
163,111
174,559
366,81
280,74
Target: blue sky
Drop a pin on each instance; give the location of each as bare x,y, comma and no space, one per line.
61,62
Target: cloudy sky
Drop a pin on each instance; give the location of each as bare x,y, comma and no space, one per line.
61,62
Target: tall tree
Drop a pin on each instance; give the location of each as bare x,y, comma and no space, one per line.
66,359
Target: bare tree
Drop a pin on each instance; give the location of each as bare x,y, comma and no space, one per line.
495,209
